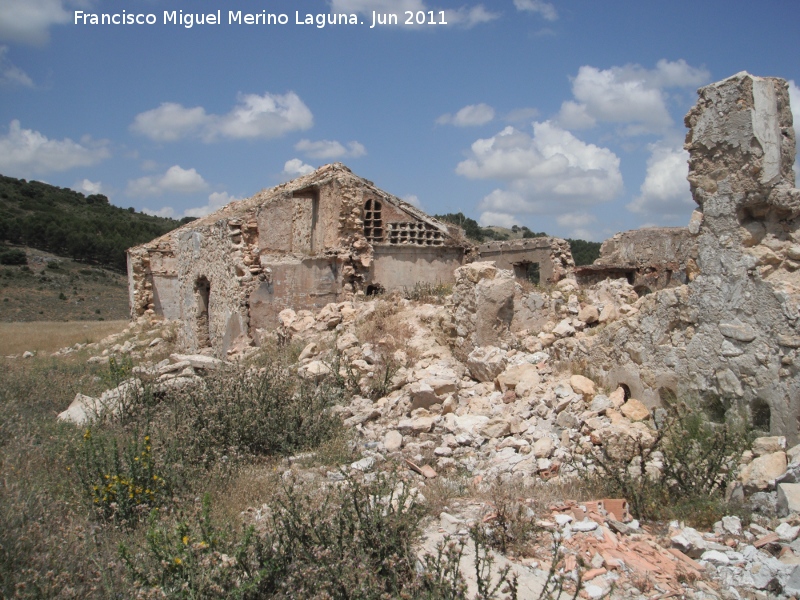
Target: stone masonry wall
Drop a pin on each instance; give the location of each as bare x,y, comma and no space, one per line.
729,338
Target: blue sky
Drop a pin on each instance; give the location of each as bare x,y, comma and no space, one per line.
565,116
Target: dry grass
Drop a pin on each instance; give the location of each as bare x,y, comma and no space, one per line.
49,336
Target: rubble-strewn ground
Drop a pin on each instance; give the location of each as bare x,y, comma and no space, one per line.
504,441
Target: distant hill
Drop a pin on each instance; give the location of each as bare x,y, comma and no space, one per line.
67,223
584,252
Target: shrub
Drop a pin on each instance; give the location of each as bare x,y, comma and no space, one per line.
682,472
351,541
13,256
122,483
244,412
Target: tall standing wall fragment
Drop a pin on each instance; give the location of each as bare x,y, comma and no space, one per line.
729,338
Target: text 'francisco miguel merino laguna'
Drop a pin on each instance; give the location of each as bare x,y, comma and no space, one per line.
237,17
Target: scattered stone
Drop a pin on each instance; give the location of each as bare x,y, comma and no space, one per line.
583,386
635,410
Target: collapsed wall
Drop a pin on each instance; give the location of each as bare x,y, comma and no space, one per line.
539,260
650,259
729,337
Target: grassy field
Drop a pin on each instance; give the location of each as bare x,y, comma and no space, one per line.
51,288
49,336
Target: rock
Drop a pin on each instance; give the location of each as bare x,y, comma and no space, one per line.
81,410
635,410
564,329
763,470
583,386
543,447
198,361
316,370
567,420
715,558
449,523
28,354
99,360
363,465
600,404
422,395
617,397
738,331
422,424
695,222
485,364
477,271
584,526
495,428
690,542
768,445
309,351
513,376
393,440
732,525
608,314
348,340
786,532
441,386
589,314
449,405
428,472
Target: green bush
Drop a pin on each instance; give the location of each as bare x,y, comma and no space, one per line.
354,541
243,412
13,256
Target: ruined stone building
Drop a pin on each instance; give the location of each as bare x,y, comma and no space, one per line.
730,337
300,245
539,260
650,259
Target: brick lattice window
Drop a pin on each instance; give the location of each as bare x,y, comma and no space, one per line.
420,234
373,221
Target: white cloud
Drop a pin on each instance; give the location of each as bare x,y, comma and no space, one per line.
413,200
10,74
176,180
577,224
296,167
545,9
629,95
89,187
170,122
25,152
499,219
328,149
29,21
551,171
465,16
665,191
469,16
267,116
216,200
469,116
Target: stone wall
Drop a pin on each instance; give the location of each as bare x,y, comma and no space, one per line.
300,245
727,339
552,255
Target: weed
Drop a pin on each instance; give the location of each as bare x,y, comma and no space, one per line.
430,293
122,483
682,471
